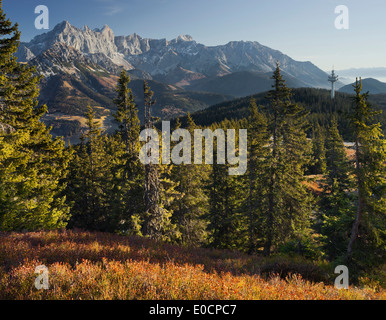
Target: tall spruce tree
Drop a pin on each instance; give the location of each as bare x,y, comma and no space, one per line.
89,179
318,150
258,140
226,223
337,162
127,115
128,172
153,211
289,202
336,202
370,177
32,175
191,207
159,189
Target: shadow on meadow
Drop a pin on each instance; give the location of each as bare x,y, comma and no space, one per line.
74,246
102,266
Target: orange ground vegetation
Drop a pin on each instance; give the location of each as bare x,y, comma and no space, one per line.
85,265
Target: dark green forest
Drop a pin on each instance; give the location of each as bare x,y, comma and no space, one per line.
317,101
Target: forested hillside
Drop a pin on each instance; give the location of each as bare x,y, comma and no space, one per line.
317,101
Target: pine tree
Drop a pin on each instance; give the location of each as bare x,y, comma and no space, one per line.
159,189
10,37
33,174
337,164
369,172
258,140
127,115
336,203
318,151
222,210
153,212
11,158
226,223
89,179
289,202
127,170
189,209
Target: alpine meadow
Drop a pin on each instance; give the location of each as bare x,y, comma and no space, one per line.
150,169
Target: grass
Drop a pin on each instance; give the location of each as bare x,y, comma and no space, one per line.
84,265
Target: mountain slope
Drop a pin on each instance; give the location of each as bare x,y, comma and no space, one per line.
372,85
72,81
349,75
241,84
98,45
177,61
67,99
317,101
81,67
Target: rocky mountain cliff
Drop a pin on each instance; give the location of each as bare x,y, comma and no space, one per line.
178,61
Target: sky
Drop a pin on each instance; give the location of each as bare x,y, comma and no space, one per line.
303,29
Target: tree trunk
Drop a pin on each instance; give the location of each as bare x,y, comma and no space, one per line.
252,248
355,227
271,200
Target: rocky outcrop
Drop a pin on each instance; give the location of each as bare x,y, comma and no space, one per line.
163,59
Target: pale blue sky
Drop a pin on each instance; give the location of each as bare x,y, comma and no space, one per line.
303,29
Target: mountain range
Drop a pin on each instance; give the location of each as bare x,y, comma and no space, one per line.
369,84
348,76
81,66
177,61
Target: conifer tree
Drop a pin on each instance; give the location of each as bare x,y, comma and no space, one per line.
222,209
153,211
336,203
289,202
337,163
34,171
127,115
10,37
226,223
127,170
189,209
370,176
89,178
318,151
159,189
258,140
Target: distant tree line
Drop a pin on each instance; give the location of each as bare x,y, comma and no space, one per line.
317,102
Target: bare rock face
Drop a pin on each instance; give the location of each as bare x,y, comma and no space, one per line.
85,40
163,59
24,54
99,45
